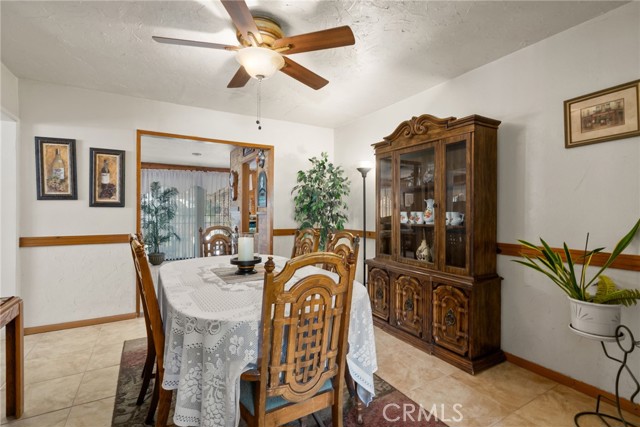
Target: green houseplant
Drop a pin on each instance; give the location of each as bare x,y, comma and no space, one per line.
607,298
319,199
158,209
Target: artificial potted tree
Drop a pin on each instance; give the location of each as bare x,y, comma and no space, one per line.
596,313
158,209
319,200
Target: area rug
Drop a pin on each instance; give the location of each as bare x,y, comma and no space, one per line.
388,401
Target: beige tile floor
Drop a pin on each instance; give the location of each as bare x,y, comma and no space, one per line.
71,376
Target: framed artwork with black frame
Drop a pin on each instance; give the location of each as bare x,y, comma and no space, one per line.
106,178
56,169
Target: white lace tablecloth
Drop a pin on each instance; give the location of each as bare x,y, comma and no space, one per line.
211,328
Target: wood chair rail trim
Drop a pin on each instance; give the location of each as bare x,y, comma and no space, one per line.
623,262
629,262
93,239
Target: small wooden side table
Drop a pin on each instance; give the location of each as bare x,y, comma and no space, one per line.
11,317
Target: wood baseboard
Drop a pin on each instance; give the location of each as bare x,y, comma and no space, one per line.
580,386
79,323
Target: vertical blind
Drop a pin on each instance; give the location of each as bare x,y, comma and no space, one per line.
202,201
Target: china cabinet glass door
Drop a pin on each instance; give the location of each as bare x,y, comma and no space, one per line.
385,205
417,176
455,201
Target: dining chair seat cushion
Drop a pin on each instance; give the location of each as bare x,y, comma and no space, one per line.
275,402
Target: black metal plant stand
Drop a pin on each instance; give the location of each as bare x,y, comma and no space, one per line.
622,333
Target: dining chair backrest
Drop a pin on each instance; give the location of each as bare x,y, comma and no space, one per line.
217,240
342,243
304,335
306,241
147,370
161,396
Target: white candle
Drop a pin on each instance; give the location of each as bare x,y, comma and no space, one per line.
245,248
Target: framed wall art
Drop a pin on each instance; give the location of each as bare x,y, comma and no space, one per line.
604,115
106,178
56,169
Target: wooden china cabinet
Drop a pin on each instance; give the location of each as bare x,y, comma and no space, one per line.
433,281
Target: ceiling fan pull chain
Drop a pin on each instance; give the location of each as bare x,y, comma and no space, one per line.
258,113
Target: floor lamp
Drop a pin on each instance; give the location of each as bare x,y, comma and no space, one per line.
364,168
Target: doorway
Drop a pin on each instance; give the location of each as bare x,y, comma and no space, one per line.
159,151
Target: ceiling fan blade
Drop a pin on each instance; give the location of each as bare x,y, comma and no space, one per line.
325,39
181,42
239,79
303,75
242,19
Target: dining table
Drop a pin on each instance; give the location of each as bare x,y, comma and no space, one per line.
212,318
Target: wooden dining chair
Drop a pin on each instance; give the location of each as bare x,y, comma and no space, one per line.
302,357
161,397
217,240
342,243
147,370
305,241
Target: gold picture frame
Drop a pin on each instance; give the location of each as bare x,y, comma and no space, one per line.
604,115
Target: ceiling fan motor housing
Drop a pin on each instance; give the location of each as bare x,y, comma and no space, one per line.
269,30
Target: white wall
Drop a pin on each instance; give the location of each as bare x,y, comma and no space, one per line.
543,189
8,183
68,283
8,91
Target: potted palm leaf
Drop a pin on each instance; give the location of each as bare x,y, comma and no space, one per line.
597,312
158,209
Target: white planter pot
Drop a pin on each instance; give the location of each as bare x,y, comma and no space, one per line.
596,319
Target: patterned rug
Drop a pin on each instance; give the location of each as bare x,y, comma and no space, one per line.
127,414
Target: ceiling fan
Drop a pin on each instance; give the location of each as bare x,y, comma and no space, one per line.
263,47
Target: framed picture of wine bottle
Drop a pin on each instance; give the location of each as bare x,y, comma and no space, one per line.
106,178
56,169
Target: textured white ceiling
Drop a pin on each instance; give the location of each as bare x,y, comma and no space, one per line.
179,151
402,47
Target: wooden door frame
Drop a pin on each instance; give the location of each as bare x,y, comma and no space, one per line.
270,162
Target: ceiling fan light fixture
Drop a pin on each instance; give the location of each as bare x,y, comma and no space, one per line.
259,62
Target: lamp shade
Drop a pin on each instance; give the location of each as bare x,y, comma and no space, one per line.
259,62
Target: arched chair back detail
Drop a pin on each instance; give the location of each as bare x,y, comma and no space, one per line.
342,243
218,240
161,397
304,343
305,241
